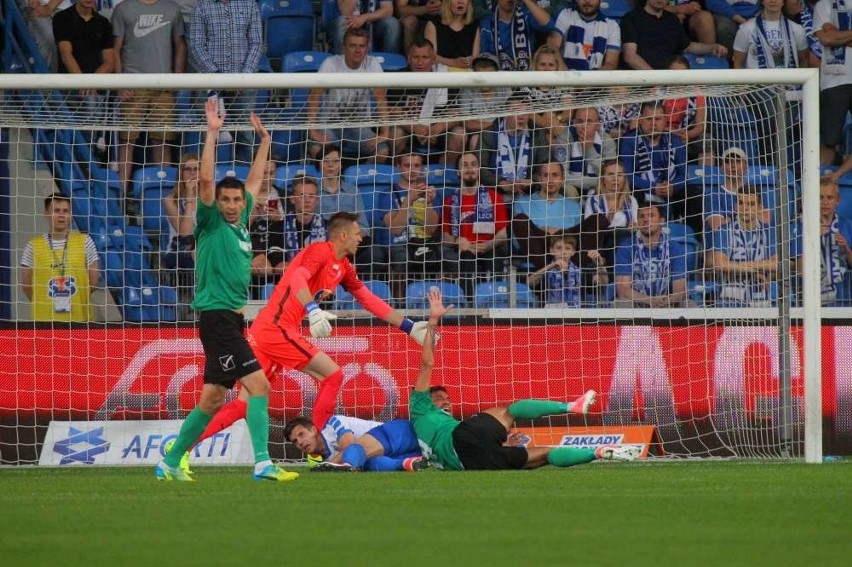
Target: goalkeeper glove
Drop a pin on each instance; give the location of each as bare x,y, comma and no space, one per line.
417,330
319,320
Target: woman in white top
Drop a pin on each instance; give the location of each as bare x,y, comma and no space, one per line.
612,197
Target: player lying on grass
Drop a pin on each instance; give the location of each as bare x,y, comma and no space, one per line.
348,443
479,442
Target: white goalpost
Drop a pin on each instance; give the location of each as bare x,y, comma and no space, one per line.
699,377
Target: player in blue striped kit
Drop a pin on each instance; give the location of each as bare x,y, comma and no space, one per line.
349,443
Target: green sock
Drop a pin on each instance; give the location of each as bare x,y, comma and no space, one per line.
191,429
257,418
570,456
531,409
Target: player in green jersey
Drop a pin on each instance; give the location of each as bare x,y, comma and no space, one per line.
222,267
480,442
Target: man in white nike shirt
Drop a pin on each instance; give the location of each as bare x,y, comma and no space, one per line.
149,38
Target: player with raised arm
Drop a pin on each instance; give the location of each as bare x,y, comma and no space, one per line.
479,442
223,257
351,444
312,276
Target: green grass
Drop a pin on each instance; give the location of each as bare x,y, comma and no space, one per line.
713,513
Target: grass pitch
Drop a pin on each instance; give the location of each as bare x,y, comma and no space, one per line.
696,513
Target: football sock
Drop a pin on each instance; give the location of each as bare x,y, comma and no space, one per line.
532,409
326,400
191,428
224,418
570,456
257,417
383,464
355,455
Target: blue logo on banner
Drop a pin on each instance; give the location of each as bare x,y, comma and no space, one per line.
81,446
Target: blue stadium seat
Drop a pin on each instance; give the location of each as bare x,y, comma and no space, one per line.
684,234
152,176
154,218
304,61
496,295
844,208
112,268
232,170
344,301
285,174
107,185
441,176
149,304
288,145
706,61
615,9
416,294
266,292
370,179
330,12
390,61
701,175
288,27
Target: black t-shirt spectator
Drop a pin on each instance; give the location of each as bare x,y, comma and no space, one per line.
88,38
658,39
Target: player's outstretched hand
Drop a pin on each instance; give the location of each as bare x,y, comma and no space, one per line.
215,119
436,305
319,320
259,128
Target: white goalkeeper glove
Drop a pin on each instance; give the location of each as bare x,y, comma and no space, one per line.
319,320
417,330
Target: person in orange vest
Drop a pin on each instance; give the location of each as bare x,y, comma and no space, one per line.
59,268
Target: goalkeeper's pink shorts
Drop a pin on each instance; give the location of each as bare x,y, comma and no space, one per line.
280,349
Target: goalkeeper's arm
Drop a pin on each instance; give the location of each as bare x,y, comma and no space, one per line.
388,314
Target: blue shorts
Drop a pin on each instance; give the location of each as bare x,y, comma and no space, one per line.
397,438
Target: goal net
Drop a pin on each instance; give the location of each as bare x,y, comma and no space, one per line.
654,237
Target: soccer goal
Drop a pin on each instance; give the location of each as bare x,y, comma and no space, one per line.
523,196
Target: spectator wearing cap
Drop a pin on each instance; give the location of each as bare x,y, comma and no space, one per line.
720,201
652,37
454,34
485,102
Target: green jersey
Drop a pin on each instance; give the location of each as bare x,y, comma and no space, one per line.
434,429
222,258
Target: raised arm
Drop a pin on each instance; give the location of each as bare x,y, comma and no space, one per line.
427,359
255,177
207,169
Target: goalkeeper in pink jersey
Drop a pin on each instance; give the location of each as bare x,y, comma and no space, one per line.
275,336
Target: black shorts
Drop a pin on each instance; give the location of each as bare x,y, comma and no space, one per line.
479,444
228,356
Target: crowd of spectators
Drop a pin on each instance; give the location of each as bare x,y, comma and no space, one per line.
585,201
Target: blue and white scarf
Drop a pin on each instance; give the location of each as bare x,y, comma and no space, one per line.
613,120
651,266
577,162
645,160
563,288
598,205
745,246
518,55
835,57
293,232
574,50
513,162
763,50
806,16
833,260
483,212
